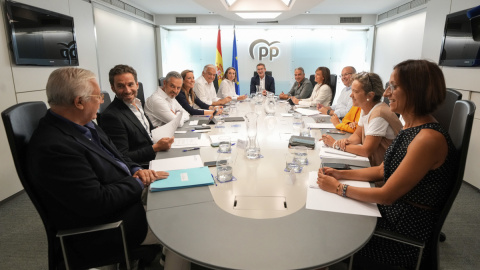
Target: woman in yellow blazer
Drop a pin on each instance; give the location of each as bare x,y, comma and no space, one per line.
349,122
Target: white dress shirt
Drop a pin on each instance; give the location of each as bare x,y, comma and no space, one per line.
205,91
140,114
227,89
321,94
160,108
344,102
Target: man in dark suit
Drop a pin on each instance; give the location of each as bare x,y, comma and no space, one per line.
263,80
80,176
125,122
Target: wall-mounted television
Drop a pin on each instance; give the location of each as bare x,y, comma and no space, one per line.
459,49
40,37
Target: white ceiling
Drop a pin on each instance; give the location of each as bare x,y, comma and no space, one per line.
219,7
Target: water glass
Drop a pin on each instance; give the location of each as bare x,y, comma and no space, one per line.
225,145
291,163
300,153
224,168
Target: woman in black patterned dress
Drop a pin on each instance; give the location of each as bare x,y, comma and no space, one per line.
417,170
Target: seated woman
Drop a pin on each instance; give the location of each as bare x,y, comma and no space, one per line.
322,93
187,97
417,170
227,87
377,126
349,123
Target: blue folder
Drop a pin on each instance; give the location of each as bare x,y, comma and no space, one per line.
184,178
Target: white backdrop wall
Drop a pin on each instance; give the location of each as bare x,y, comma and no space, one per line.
306,47
124,40
396,41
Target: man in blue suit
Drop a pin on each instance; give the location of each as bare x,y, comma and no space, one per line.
262,79
80,176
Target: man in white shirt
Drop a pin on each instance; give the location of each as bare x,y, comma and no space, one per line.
344,102
161,107
205,90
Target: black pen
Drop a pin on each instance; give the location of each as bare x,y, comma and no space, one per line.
191,149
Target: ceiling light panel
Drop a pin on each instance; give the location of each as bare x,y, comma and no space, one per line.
258,15
230,2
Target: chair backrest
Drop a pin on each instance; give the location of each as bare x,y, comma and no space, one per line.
215,83
140,94
443,114
106,101
161,81
268,72
333,84
20,122
459,131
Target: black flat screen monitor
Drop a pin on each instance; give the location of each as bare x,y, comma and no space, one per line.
459,49
40,37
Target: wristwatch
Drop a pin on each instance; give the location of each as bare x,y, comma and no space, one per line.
328,112
337,146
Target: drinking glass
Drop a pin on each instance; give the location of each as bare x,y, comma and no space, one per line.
224,168
300,155
291,163
225,145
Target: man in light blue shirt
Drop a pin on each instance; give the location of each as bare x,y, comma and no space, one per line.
344,102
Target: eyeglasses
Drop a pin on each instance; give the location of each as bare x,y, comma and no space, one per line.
344,75
391,86
101,96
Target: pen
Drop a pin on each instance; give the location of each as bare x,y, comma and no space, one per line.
321,165
191,149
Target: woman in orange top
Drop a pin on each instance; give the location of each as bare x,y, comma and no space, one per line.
349,122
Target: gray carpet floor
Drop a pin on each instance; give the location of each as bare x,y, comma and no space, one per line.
23,242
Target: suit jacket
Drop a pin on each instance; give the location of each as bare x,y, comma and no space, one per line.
81,185
269,83
126,132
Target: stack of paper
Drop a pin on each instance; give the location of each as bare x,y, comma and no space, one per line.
168,129
320,125
318,199
307,111
190,142
337,156
187,171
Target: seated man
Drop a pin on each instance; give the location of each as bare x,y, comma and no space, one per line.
344,102
267,83
80,176
125,122
302,88
161,107
205,90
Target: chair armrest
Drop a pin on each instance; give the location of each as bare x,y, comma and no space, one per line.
96,228
399,238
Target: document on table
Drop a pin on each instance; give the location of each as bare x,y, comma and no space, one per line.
168,129
329,154
318,199
216,138
190,142
307,112
184,178
177,163
320,125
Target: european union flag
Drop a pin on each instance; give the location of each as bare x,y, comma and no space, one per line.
235,63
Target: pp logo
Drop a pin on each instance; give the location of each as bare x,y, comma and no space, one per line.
264,51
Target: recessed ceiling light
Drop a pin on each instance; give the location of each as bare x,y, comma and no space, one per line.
307,12
287,2
230,2
211,12
258,15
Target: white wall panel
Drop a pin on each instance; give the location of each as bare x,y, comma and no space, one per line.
397,41
121,40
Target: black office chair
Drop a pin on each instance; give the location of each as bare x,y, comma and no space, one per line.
460,131
106,101
20,121
443,114
215,83
140,94
268,72
161,81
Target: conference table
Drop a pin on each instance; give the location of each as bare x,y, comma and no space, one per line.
258,221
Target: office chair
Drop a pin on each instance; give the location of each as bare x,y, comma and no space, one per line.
215,83
140,94
460,131
106,101
443,114
20,122
161,81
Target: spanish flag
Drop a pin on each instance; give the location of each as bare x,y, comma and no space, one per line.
219,59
